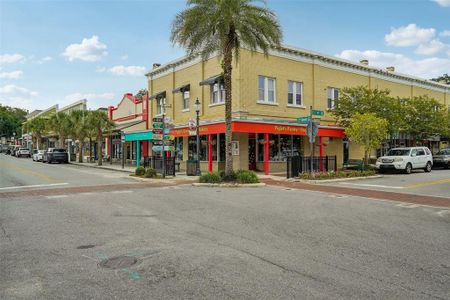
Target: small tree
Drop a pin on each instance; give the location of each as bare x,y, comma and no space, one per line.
61,124
98,121
141,93
80,129
443,79
368,130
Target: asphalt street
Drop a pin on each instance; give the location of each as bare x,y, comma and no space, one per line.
435,183
184,242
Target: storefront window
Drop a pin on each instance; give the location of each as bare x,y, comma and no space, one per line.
280,146
192,147
179,148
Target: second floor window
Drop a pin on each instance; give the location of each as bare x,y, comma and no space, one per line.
217,93
186,96
333,95
295,91
266,89
159,106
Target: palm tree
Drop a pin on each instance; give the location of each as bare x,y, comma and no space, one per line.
98,121
38,127
61,124
225,26
80,129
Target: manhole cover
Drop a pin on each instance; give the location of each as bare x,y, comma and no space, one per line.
118,262
85,246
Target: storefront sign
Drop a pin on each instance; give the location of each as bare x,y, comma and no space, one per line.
192,132
157,136
138,136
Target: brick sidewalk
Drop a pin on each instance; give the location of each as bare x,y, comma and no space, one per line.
400,197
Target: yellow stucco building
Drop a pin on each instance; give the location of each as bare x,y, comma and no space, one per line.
269,94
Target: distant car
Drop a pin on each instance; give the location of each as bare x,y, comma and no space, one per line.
55,155
442,158
38,155
3,148
14,150
406,159
23,152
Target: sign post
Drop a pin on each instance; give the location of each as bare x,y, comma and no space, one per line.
312,130
122,144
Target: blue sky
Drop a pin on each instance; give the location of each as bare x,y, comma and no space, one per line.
57,52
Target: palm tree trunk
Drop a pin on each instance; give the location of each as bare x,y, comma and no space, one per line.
228,60
80,152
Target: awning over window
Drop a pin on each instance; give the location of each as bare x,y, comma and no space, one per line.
212,80
158,96
182,89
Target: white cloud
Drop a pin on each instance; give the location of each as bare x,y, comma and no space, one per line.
431,48
445,33
90,49
127,70
44,60
11,58
443,3
16,96
11,75
424,68
410,35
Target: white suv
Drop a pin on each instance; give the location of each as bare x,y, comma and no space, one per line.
406,159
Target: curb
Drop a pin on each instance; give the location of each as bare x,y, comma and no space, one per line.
334,180
100,167
230,185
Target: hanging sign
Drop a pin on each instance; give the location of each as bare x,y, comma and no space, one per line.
169,137
192,132
157,143
157,125
166,130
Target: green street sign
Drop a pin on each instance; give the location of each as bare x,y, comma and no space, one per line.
157,125
303,120
318,112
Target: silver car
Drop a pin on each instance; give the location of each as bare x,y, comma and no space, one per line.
23,152
442,158
38,155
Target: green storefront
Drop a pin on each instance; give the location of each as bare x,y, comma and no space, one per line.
143,137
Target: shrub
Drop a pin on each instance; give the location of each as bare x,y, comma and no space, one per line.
139,171
213,177
150,173
340,174
229,177
246,176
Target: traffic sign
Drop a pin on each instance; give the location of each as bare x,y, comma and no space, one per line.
157,137
318,112
312,130
160,148
304,120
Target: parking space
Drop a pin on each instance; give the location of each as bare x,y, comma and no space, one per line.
436,183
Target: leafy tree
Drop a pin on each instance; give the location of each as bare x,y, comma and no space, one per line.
79,129
362,100
61,124
444,78
141,93
99,122
224,26
37,127
11,120
424,117
368,130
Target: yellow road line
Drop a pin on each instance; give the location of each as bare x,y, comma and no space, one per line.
26,171
427,183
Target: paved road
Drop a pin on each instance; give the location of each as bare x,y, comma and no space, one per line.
210,243
436,183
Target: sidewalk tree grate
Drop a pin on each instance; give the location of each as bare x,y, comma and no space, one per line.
118,262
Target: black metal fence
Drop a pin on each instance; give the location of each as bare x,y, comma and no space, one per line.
302,164
156,163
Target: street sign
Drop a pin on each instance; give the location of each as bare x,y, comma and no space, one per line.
318,112
168,143
157,130
312,130
157,125
157,143
169,137
166,130
192,132
158,120
304,120
157,137
160,148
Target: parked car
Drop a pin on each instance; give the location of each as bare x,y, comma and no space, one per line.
55,155
14,150
3,148
23,152
442,158
406,159
38,155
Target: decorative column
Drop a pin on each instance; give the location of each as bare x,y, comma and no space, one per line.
138,154
210,165
266,153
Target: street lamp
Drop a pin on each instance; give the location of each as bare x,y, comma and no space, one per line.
197,110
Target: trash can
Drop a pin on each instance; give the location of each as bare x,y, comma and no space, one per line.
191,167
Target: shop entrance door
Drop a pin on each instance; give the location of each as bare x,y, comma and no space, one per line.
252,154
346,152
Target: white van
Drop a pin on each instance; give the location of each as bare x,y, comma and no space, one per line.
406,159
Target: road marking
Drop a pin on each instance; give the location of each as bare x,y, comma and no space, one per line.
120,192
408,205
32,186
56,196
25,170
427,183
374,185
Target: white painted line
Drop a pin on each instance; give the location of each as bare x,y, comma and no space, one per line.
56,196
442,213
86,194
32,186
120,192
373,185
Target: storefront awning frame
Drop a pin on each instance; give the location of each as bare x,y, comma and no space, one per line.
159,95
212,80
182,89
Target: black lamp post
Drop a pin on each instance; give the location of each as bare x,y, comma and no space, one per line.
197,110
